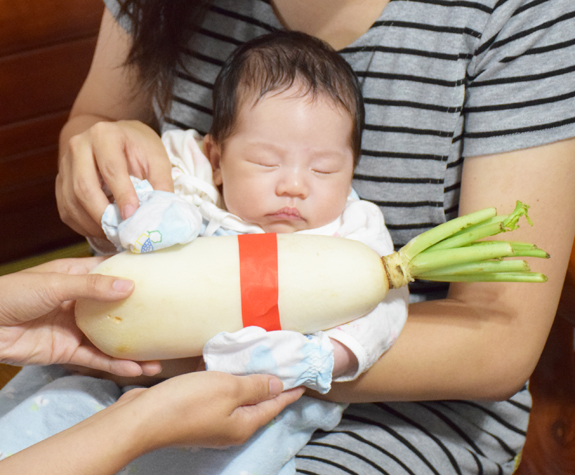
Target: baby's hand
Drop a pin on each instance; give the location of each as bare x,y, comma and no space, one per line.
344,361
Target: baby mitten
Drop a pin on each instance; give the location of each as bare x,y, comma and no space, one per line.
162,220
298,360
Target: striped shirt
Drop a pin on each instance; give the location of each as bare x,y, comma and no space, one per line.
442,80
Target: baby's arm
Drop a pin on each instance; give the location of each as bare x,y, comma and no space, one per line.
298,360
344,360
314,360
360,343
368,337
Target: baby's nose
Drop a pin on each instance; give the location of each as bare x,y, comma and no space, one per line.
293,183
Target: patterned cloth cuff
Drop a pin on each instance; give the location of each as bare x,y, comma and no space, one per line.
298,360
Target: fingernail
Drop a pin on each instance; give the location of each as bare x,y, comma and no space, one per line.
121,285
276,387
128,211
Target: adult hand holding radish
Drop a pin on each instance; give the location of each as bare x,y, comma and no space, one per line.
37,316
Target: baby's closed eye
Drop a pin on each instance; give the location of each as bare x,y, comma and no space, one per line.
324,171
264,163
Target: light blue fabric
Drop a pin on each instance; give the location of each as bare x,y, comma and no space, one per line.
42,401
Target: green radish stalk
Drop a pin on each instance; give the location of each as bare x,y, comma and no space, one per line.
452,252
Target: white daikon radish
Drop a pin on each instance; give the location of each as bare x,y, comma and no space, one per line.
185,295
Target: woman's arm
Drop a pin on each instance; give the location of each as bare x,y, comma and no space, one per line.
484,340
108,134
202,409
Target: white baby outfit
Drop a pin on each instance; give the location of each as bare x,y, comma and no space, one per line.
164,219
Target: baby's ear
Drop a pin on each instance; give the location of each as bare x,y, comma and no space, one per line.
213,152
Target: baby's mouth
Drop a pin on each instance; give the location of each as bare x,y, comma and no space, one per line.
287,213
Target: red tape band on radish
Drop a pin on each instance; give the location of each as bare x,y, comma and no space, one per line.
259,280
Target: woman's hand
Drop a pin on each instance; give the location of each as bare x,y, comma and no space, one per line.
37,324
222,409
108,153
208,409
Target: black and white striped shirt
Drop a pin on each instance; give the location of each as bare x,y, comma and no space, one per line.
442,80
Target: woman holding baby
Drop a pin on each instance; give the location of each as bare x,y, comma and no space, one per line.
468,105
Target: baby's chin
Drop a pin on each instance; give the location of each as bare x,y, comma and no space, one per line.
288,226
284,227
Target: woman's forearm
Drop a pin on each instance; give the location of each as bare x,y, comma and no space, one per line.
485,339
447,351
109,91
100,445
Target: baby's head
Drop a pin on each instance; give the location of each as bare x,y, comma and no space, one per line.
286,133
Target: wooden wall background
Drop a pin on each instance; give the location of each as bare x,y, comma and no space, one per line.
46,47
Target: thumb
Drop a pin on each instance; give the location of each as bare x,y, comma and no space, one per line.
262,405
105,288
256,388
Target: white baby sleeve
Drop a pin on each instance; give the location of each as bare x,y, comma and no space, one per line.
370,336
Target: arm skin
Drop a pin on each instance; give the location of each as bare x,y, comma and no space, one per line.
201,409
484,340
108,133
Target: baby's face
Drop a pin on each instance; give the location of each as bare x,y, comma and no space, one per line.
288,165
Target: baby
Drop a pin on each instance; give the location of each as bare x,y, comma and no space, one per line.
279,158
284,141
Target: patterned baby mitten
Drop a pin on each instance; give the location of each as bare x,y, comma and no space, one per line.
162,220
298,360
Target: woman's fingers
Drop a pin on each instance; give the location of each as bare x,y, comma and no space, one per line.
72,212
159,171
108,153
71,265
262,401
150,368
129,148
110,146
90,357
259,402
79,194
257,388
31,295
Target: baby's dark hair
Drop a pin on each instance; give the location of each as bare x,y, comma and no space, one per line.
276,62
